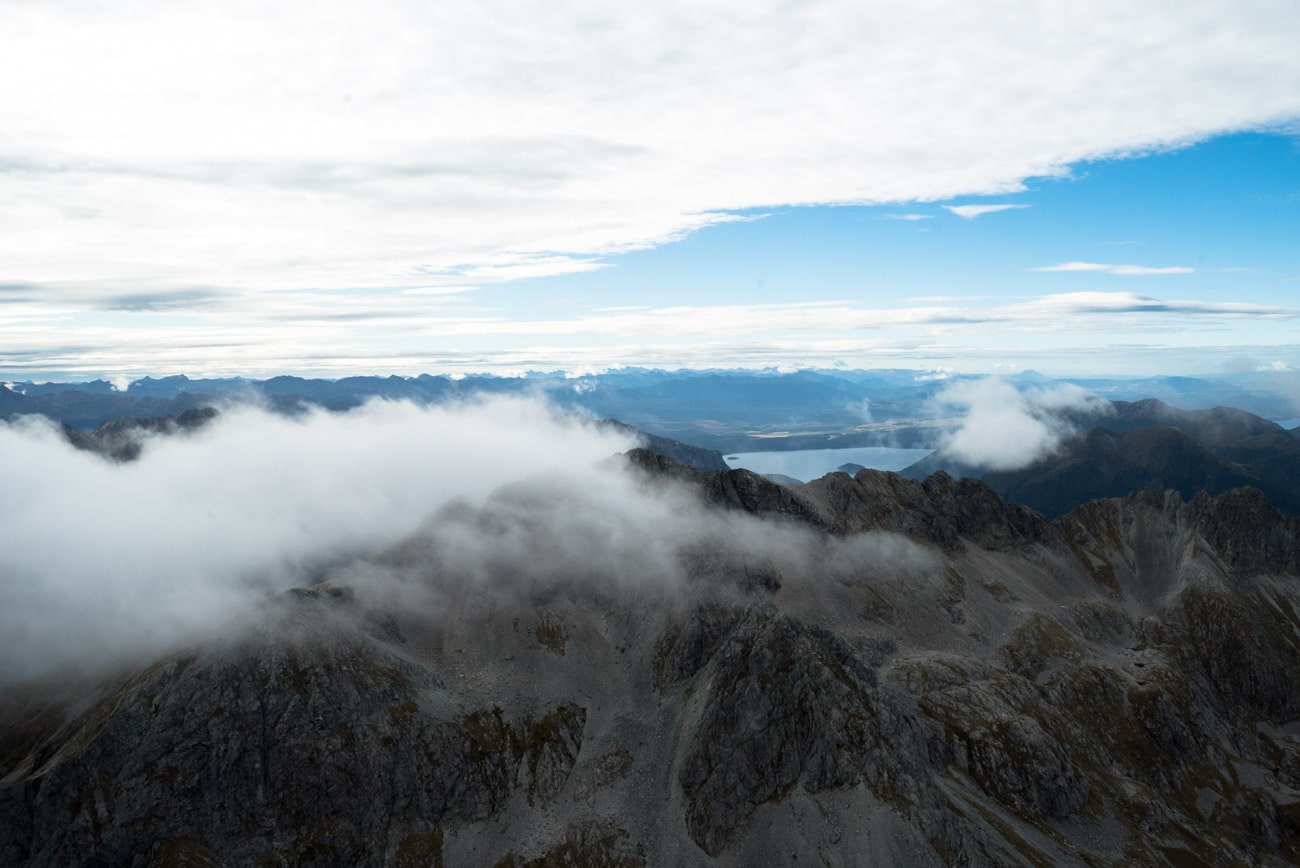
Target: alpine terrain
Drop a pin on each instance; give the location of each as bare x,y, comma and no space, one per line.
723,671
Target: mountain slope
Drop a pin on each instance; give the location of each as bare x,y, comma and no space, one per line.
862,670
1147,446
1100,464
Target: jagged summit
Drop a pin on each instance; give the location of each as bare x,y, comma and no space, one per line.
123,439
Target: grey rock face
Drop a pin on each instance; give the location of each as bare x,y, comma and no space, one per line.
787,704
1247,532
940,509
308,749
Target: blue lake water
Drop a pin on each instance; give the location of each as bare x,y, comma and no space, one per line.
806,464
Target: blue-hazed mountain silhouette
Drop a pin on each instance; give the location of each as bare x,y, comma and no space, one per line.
1148,446
733,410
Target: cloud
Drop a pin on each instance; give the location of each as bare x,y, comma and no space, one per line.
332,334
166,301
516,139
1128,270
1003,428
911,218
970,212
612,530
1094,303
104,563
102,559
1044,312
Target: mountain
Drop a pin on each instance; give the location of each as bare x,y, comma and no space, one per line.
1213,426
728,410
123,439
10,401
692,456
1147,446
861,670
1266,395
1101,463
80,408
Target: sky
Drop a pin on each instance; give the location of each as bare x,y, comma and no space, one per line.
330,188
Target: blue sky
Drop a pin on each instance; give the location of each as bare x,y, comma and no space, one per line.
1214,224
218,188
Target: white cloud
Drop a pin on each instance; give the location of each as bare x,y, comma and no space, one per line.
405,333
1110,304
107,562
1003,428
105,558
1076,266
338,144
187,162
970,212
1128,270
1081,310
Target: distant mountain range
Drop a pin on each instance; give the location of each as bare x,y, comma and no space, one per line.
732,411
1144,445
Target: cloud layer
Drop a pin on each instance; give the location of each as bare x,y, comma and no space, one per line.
104,563
102,559
1124,270
363,334
197,158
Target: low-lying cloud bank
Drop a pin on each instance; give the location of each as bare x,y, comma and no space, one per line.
101,559
106,561
1004,428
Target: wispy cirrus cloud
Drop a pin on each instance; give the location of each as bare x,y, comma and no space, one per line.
1102,303
1124,270
335,332
970,212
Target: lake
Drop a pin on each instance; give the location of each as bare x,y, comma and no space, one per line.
806,464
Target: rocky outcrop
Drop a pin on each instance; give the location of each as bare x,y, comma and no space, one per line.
1245,529
940,509
123,439
788,704
737,490
305,742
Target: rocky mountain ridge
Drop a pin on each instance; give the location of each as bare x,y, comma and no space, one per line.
860,670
